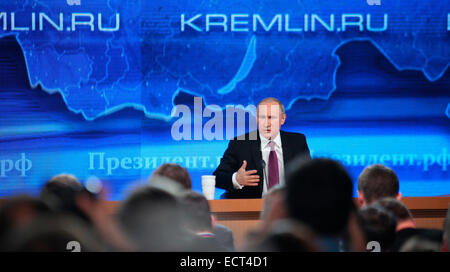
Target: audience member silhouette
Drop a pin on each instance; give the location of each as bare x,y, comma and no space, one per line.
379,225
375,182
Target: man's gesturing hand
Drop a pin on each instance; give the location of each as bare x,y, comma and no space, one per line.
247,178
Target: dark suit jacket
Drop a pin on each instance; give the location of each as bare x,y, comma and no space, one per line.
224,236
293,144
402,236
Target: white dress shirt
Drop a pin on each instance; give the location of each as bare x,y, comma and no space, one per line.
265,150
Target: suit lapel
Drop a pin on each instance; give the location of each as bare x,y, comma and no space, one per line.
286,151
256,152
257,156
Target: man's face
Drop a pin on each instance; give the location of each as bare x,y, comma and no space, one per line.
270,119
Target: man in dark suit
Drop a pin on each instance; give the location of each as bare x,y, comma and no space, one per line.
255,162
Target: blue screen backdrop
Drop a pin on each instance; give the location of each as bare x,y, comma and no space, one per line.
88,87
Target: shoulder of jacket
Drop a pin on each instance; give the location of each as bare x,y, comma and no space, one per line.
292,134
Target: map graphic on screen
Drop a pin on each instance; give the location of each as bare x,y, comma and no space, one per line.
89,87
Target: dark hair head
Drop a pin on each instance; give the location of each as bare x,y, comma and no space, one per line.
151,218
420,244
272,200
396,207
18,210
378,181
319,194
176,173
50,233
67,179
60,194
196,211
378,225
287,236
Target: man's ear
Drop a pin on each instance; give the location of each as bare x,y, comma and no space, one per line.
361,199
213,222
283,118
399,196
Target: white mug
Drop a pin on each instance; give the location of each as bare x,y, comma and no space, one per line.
208,186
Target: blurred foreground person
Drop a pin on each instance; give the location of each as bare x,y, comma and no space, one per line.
19,211
406,226
319,194
199,220
180,175
285,235
52,233
60,194
64,194
273,210
152,219
418,244
379,225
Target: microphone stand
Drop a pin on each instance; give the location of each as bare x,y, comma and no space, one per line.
266,179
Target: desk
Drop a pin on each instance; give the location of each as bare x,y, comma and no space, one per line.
240,215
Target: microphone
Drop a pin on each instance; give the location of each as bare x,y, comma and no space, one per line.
266,179
263,164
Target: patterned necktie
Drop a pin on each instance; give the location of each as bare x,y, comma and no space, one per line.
273,166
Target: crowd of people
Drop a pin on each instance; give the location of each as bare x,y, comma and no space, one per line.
313,211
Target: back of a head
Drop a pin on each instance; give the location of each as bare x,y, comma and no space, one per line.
151,218
51,233
20,210
378,225
287,236
196,211
319,194
396,207
176,173
60,192
67,179
281,242
274,207
378,181
419,244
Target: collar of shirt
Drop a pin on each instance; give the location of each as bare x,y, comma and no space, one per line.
265,141
206,234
